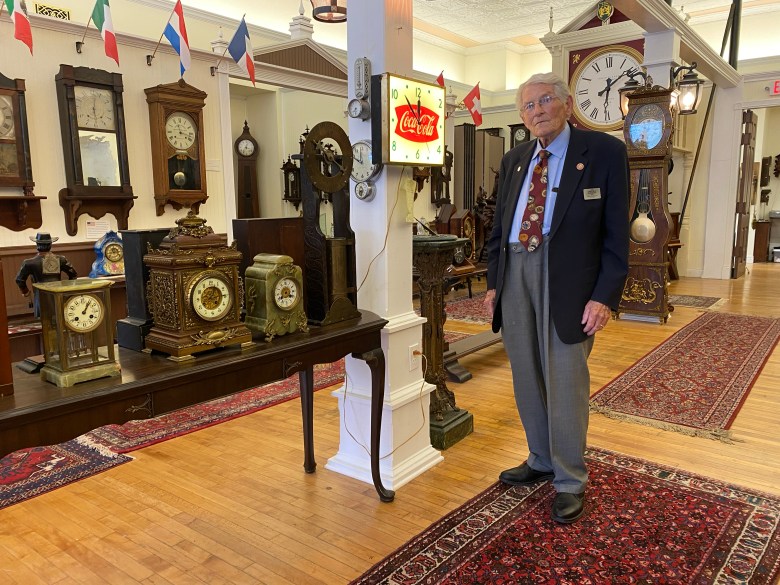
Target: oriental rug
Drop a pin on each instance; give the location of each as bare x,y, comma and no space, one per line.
468,309
696,302
643,523
696,381
30,472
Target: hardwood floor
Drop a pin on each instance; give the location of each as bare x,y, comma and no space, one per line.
231,503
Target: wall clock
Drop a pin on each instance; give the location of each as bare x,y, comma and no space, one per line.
94,144
194,292
364,170
594,83
178,154
407,121
78,333
247,197
274,296
647,133
292,182
109,256
518,133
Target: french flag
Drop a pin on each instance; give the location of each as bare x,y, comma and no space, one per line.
176,33
240,48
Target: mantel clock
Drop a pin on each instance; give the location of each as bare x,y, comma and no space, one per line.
77,330
274,293
178,155
194,292
647,131
407,121
109,256
94,143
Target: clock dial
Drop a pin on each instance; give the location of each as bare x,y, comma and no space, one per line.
468,227
83,313
415,119
114,252
286,293
520,134
362,167
211,298
94,108
180,131
246,147
459,256
647,127
595,83
6,118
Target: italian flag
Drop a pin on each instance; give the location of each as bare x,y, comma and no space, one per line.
18,11
101,16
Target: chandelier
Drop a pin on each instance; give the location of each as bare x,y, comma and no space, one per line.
329,10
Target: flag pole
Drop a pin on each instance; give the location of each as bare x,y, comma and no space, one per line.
149,58
80,43
214,68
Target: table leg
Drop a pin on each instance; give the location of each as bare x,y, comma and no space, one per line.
306,379
376,363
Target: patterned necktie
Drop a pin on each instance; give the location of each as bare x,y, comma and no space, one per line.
533,217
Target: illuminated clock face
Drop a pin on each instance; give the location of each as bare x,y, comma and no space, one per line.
415,122
647,127
83,313
595,83
286,293
211,298
180,131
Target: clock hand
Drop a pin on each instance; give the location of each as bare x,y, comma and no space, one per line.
611,82
411,109
84,312
419,111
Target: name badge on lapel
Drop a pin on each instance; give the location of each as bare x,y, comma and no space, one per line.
589,194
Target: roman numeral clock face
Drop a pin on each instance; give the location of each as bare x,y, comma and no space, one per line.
595,83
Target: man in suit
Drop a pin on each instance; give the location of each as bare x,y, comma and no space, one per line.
557,263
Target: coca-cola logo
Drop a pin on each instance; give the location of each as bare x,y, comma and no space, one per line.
408,126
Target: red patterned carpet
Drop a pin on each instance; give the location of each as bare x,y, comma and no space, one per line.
644,523
697,380
466,309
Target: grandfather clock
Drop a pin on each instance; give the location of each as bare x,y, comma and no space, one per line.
247,197
648,130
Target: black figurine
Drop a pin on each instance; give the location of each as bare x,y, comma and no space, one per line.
43,267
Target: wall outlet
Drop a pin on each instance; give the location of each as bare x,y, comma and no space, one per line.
414,356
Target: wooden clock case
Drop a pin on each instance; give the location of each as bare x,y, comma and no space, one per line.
247,196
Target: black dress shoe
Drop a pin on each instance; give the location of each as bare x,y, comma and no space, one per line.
524,475
567,508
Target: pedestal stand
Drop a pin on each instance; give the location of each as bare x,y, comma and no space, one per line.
432,255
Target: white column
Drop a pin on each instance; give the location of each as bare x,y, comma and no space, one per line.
218,47
382,31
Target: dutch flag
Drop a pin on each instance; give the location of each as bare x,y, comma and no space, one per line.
240,48
176,33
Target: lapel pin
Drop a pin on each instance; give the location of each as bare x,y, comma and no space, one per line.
580,166
519,168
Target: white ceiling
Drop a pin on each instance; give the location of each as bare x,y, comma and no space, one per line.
468,23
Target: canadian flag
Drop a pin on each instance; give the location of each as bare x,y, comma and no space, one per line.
474,105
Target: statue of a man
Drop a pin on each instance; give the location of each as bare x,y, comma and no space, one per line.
43,267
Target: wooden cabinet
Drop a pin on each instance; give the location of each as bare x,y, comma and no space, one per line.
761,251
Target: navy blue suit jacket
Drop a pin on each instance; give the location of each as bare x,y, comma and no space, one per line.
588,240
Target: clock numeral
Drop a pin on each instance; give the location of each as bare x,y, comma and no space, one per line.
395,94
608,61
594,114
596,67
418,92
585,105
623,63
586,79
393,146
418,154
582,92
606,114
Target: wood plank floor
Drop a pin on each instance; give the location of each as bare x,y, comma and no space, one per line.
231,504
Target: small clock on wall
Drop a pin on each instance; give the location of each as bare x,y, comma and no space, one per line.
518,133
364,170
178,154
94,143
596,75
247,197
407,121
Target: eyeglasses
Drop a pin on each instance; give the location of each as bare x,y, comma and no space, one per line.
543,102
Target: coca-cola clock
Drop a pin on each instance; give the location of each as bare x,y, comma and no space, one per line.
407,121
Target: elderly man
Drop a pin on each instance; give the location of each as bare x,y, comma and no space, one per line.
557,263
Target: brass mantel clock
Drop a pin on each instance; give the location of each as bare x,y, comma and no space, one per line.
78,331
647,131
194,292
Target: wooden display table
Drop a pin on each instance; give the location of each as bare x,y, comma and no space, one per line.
40,413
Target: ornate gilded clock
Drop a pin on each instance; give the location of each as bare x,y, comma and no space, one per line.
194,292
594,81
407,121
94,143
109,256
178,155
647,132
247,196
274,296
77,329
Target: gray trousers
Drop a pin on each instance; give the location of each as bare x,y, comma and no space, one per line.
551,378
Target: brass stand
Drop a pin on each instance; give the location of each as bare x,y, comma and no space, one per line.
432,255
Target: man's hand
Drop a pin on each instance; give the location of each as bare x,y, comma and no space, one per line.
595,317
490,301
